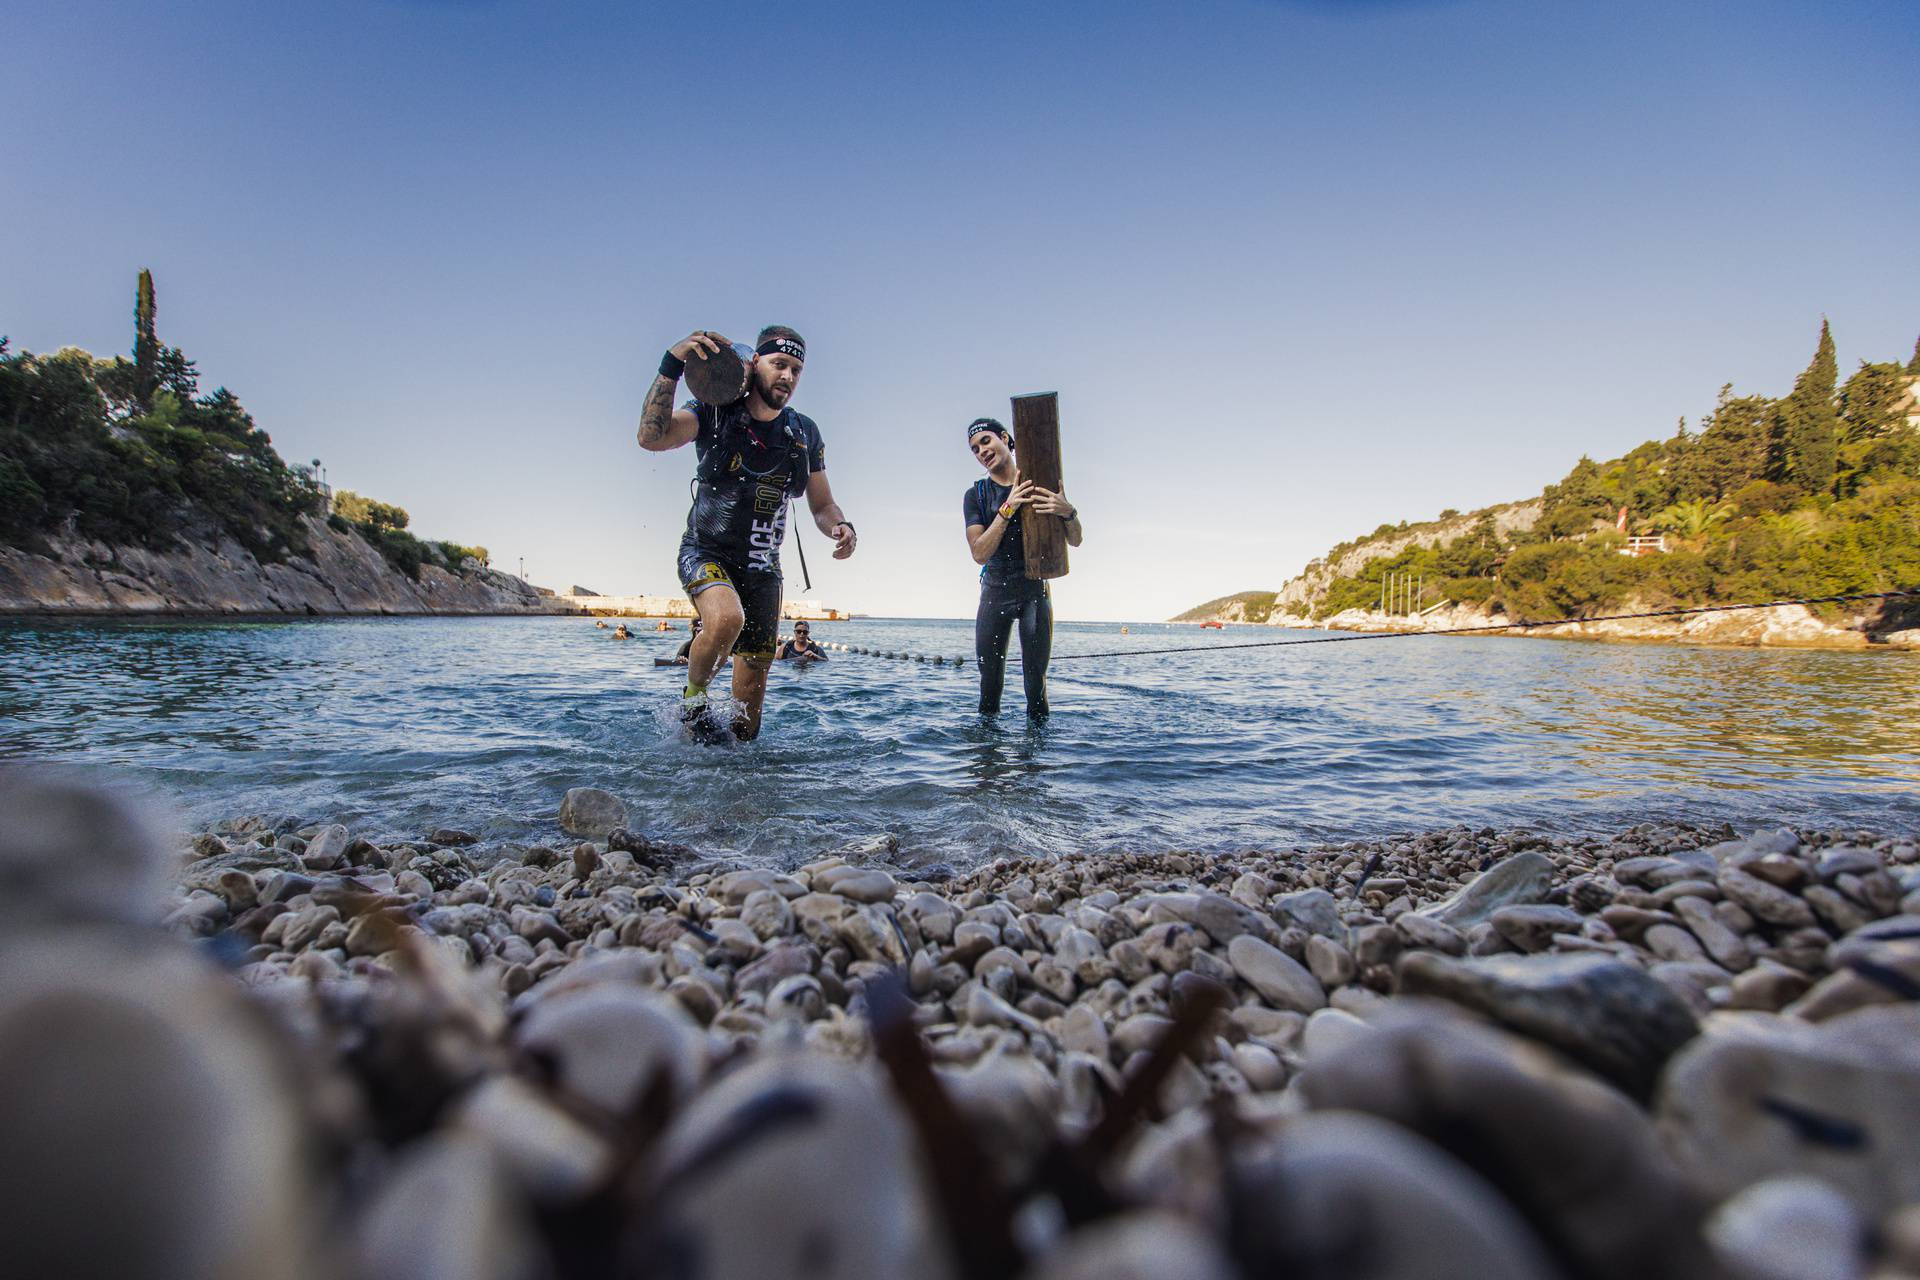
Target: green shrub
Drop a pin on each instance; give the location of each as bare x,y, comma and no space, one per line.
85,450
402,550
22,504
1472,590
368,511
112,473
457,556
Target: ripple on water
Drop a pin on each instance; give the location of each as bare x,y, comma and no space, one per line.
402,725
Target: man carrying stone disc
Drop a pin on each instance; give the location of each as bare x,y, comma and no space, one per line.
753,455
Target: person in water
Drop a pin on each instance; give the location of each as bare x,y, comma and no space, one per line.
1008,597
752,457
685,651
801,646
621,633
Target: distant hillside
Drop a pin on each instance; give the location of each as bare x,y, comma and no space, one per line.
123,487
1811,494
1303,594
1244,606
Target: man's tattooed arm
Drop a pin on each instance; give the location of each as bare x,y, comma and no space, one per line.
657,416
662,427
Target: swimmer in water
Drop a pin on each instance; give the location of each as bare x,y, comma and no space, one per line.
685,651
621,633
801,647
1008,597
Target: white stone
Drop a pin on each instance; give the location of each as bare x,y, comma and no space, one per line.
1280,979
817,1157
590,813
549,1154
1790,1229
609,1042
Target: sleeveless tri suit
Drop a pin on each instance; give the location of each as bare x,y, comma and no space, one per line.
747,473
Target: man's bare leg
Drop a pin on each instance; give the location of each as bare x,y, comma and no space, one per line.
749,691
720,621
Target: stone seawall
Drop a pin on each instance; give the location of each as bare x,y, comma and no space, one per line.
341,574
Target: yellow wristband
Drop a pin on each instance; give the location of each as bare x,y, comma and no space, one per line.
1006,511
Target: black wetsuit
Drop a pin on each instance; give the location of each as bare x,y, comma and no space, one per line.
802,649
747,471
1008,599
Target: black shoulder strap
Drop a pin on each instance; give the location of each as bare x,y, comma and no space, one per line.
984,495
802,451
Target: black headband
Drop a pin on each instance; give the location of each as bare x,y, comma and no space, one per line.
994,425
783,347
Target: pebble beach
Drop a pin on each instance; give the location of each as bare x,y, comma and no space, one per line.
277,1048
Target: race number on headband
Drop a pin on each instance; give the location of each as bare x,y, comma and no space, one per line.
783,347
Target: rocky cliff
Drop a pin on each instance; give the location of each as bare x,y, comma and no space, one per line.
340,574
1303,590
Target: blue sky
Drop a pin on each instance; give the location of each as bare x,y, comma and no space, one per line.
1295,268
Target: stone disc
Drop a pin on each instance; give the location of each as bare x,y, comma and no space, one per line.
718,379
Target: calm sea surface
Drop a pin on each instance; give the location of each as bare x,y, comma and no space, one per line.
397,726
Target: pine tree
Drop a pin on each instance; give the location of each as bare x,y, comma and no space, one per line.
146,341
1808,434
1732,447
1571,506
175,373
1868,402
1913,365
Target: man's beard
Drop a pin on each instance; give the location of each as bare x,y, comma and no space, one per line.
775,396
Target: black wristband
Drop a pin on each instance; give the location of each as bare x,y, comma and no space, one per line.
672,366
849,524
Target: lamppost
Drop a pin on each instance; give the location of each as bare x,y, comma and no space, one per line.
523,568
319,475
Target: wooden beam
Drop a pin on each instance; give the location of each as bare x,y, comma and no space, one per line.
1036,435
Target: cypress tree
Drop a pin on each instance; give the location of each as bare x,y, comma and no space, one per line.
146,341
1809,430
1913,365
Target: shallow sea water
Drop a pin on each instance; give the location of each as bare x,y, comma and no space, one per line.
398,726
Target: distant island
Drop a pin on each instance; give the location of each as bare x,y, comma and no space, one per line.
1816,493
124,489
